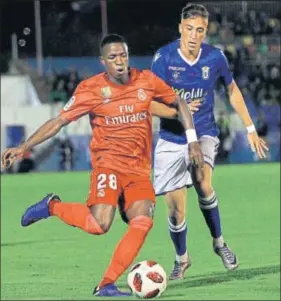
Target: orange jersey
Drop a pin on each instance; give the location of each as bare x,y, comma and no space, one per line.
120,118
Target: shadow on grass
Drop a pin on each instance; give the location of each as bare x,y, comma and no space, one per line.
29,242
216,278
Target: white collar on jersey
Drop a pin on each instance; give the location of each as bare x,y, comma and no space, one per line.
187,61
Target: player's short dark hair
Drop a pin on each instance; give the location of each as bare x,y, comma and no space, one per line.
111,38
194,10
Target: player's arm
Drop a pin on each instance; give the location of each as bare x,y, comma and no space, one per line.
165,93
80,104
178,109
194,149
46,131
185,117
163,111
158,68
237,101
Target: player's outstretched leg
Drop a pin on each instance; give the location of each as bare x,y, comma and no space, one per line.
140,223
96,220
208,203
38,211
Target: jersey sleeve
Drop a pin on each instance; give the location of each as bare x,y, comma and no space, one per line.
81,103
162,91
158,65
225,72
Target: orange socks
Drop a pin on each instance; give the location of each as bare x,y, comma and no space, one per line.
79,215
76,215
127,249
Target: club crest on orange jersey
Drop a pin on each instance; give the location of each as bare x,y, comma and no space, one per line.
106,92
205,72
141,94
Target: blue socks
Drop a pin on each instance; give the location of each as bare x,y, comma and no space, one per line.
210,210
178,236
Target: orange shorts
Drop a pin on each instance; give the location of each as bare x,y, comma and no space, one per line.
109,187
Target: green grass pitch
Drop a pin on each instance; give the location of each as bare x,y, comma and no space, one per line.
52,261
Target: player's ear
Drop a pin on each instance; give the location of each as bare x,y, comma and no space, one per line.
207,29
205,34
102,60
180,28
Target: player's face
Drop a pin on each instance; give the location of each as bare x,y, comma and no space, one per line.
115,58
193,31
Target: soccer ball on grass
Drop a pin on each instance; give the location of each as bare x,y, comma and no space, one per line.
147,279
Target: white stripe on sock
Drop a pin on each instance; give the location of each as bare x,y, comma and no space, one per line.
178,230
175,227
209,202
210,206
208,198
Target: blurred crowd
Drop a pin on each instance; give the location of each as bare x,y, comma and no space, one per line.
247,38
62,85
251,42
253,51
244,23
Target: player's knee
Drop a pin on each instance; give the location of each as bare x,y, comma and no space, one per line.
205,189
104,223
105,227
176,217
97,228
92,226
176,201
141,208
142,222
101,219
176,212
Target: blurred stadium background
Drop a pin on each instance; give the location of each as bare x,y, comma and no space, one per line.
53,45
47,47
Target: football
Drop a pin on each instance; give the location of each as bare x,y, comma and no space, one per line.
147,279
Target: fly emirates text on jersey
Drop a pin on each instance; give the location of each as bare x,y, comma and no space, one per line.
127,116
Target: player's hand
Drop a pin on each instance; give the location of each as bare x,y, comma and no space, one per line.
196,158
194,105
10,155
257,145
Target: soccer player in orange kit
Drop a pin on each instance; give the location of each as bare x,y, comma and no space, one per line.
119,104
